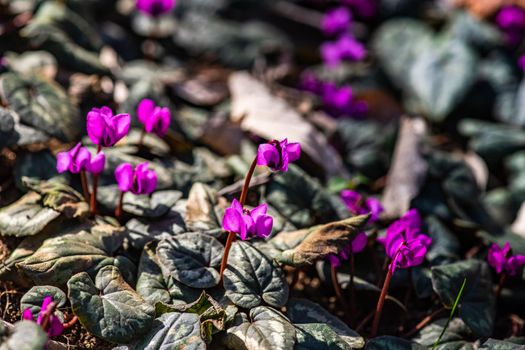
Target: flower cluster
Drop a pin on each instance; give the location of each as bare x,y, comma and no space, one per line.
503,261
155,7
511,20
46,318
154,118
79,159
256,223
404,242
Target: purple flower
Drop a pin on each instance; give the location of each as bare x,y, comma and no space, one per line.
105,129
336,21
155,119
79,159
140,180
277,154
339,101
404,242
309,82
54,325
363,8
246,222
503,260
357,245
521,62
155,7
344,48
358,205
511,20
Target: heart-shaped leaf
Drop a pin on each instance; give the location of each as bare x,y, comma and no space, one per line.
392,343
33,299
142,231
318,327
42,104
495,344
25,335
323,240
60,257
476,306
154,287
251,278
192,259
265,329
201,214
175,331
109,308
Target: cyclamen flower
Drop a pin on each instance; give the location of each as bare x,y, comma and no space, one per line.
79,159
358,205
54,326
246,222
404,243
511,20
140,180
155,7
344,48
339,101
502,260
155,119
106,129
364,8
336,21
278,154
357,245
521,62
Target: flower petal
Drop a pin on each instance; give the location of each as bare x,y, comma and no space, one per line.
55,327
97,163
124,176
233,221
359,242
121,124
263,226
294,151
27,315
95,126
145,110
64,161
268,155
258,211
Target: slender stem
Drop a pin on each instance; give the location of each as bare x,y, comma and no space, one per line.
118,210
456,302
501,282
95,186
424,322
337,288
364,322
242,199
353,308
46,315
70,323
141,139
380,303
85,188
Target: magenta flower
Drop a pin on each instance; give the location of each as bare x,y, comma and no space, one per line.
54,326
521,62
358,205
336,21
344,48
502,260
363,8
339,101
404,242
309,82
155,7
511,20
79,159
246,222
357,245
106,129
278,154
155,119
140,180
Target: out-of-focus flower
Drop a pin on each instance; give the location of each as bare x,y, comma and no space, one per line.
336,21
140,180
502,259
246,222
521,62
357,245
344,48
53,326
311,83
154,118
355,202
340,101
278,154
363,8
511,20
155,7
106,129
79,159
404,242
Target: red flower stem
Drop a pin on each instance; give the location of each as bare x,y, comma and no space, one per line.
380,303
46,315
85,188
95,186
353,308
118,210
501,282
337,289
70,323
242,199
424,322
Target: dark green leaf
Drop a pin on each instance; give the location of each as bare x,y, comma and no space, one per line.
495,344
454,337
33,298
388,342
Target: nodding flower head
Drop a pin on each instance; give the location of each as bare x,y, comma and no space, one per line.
246,222
336,21
155,7
357,245
502,259
140,180
154,118
106,129
79,159
404,242
278,154
511,20
358,205
344,48
53,326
